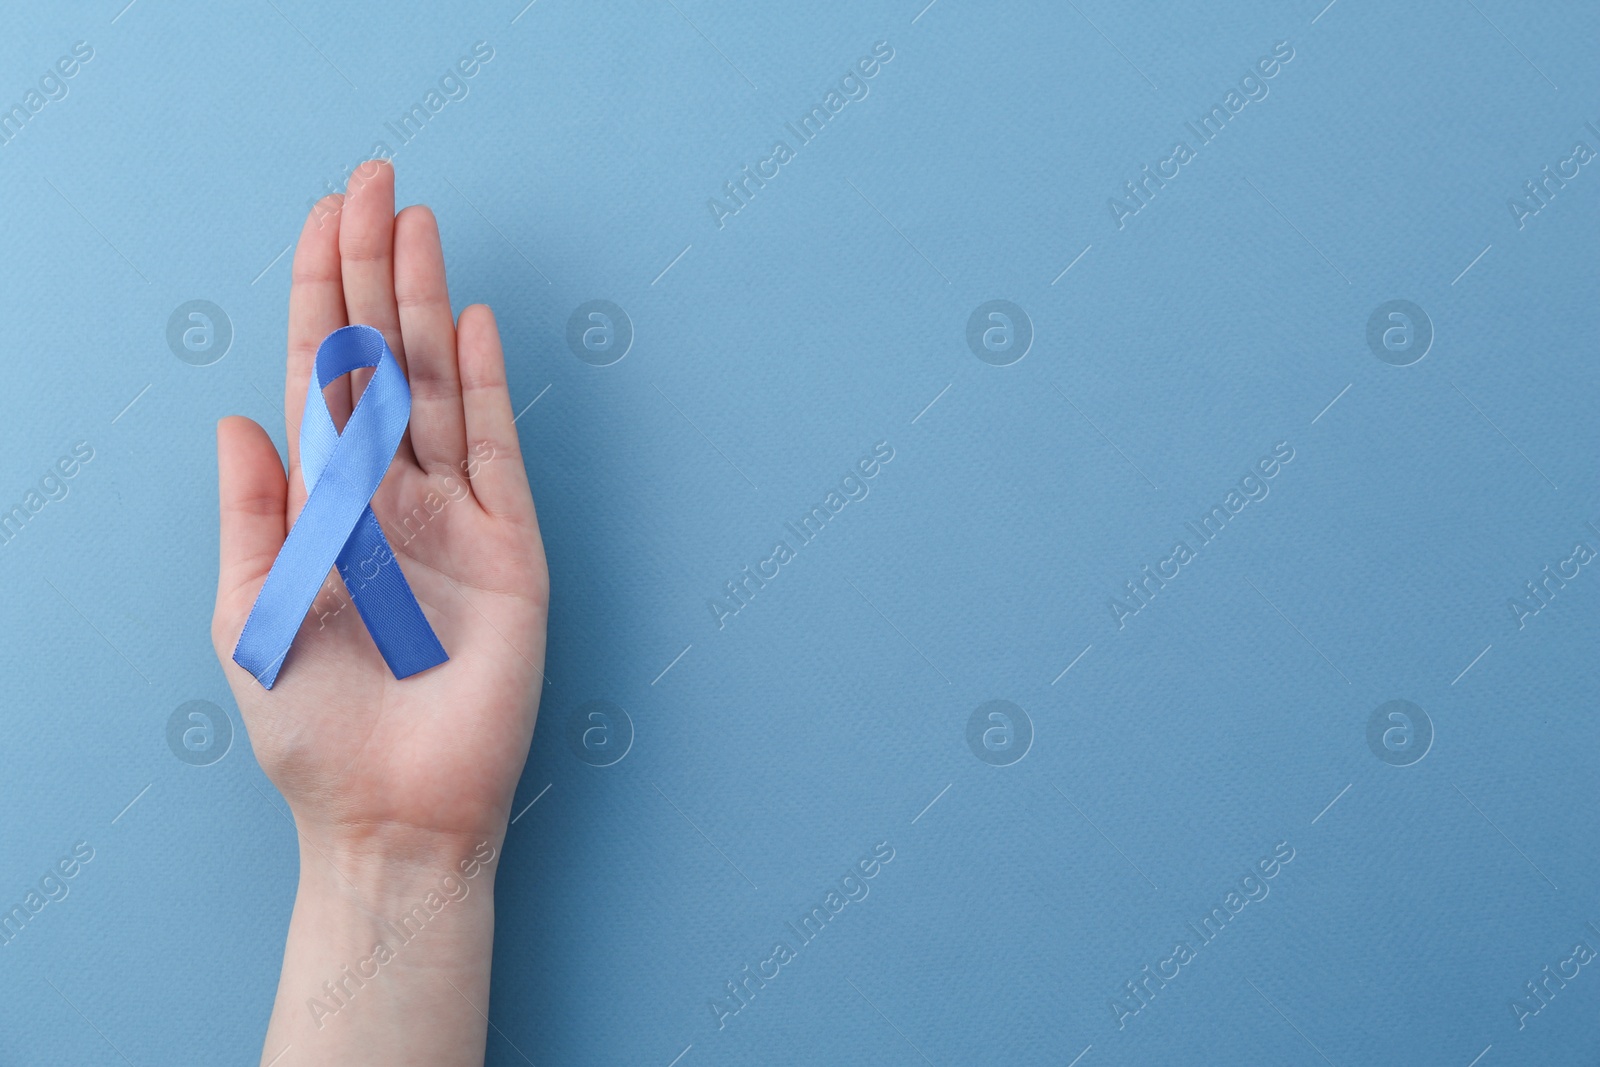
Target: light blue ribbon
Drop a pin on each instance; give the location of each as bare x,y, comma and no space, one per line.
341,471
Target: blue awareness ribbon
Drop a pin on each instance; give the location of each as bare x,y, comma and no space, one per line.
341,471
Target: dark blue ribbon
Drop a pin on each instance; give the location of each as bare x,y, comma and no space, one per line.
341,471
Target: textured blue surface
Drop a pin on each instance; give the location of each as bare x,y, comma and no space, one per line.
769,355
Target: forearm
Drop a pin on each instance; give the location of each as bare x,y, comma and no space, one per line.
388,953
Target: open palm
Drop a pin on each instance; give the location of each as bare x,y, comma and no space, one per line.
355,751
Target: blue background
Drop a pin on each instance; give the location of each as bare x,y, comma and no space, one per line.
769,356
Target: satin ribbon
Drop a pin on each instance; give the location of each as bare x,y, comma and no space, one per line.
341,471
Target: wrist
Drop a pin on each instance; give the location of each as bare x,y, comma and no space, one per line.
385,872
371,824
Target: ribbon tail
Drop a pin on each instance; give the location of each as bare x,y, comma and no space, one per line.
387,606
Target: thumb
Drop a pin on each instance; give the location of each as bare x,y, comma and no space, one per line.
252,494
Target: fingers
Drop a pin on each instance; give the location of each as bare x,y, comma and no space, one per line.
438,426
494,455
316,309
252,495
366,258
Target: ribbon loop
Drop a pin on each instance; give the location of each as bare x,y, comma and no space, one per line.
336,527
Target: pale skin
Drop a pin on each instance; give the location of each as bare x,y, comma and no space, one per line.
393,784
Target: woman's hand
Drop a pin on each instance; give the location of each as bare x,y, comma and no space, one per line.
393,783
